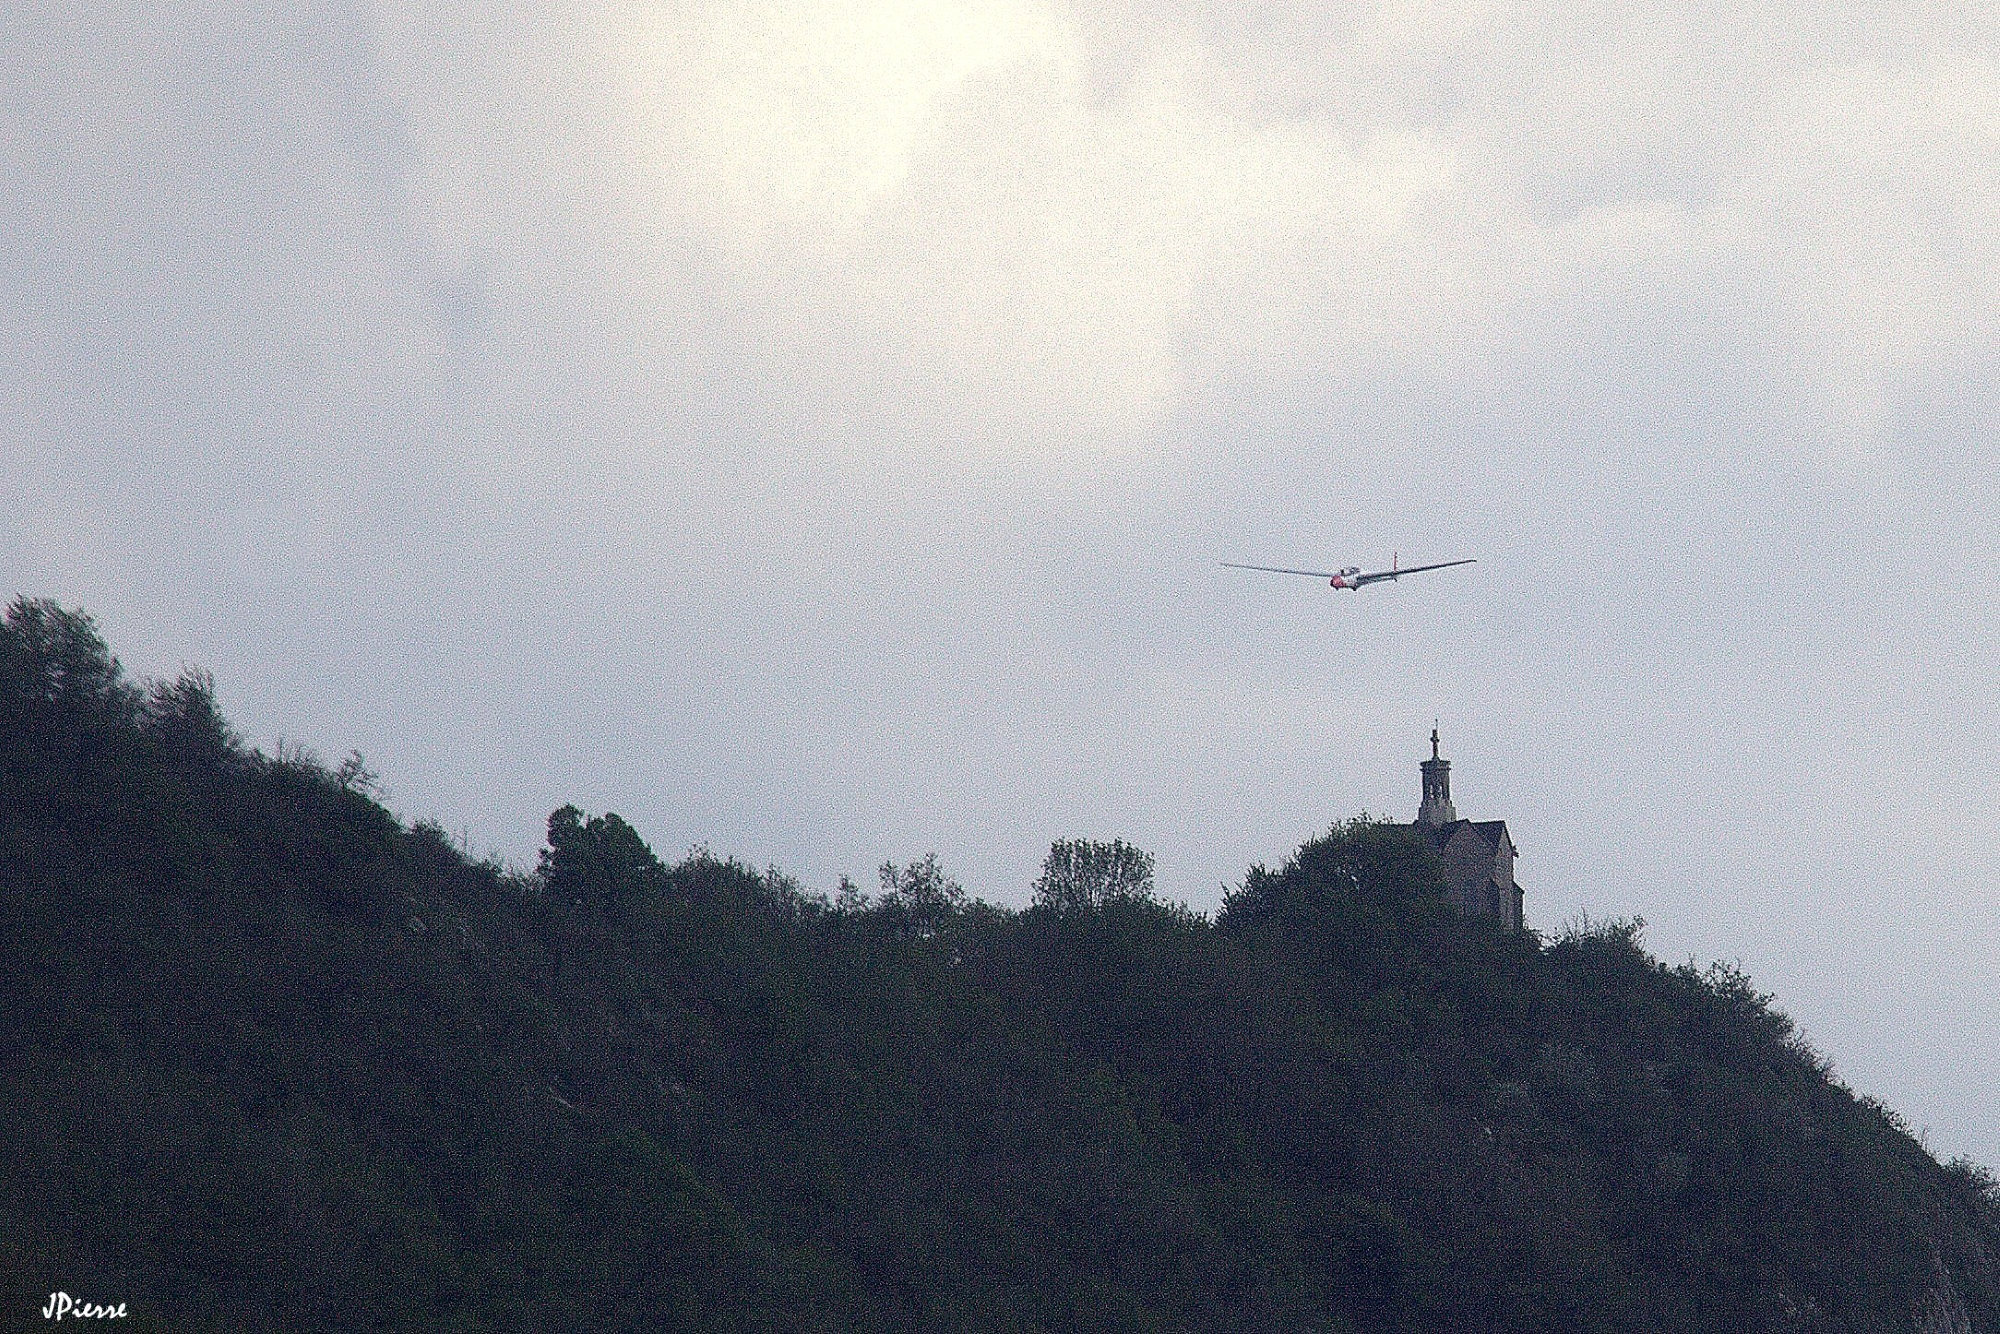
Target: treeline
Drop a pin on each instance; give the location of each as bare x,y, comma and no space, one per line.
272,1059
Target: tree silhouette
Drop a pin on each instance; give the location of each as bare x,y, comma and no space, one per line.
599,860
1080,874
922,894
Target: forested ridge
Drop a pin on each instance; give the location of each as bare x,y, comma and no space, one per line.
273,1059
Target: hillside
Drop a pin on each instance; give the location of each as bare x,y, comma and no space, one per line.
273,1059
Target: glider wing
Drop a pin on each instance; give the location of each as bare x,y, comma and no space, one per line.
1380,575
1275,569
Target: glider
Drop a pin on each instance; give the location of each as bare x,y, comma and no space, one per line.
1352,576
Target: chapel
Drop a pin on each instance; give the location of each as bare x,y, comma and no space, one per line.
1478,854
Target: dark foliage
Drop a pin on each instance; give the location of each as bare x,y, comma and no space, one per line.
597,861
1080,874
274,1060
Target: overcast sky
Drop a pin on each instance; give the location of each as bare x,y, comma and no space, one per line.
811,429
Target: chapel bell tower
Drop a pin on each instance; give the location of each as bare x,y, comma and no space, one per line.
1436,811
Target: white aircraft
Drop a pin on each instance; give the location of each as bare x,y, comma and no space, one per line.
1352,576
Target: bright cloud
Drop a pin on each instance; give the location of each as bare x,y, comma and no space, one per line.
1065,220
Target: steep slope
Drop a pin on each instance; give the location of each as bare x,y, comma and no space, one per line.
274,1060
